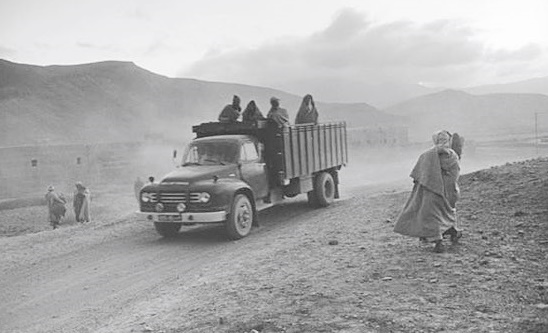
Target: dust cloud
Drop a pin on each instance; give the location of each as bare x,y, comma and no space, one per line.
391,166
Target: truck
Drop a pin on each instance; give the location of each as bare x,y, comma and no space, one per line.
231,171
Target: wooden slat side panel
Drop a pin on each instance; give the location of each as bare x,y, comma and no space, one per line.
309,146
345,140
295,152
316,148
302,151
331,147
287,149
336,143
323,155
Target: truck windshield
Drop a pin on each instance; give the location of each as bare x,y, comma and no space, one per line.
211,153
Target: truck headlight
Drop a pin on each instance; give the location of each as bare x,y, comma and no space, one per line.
204,197
145,196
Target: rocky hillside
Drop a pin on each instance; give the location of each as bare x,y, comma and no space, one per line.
474,116
119,101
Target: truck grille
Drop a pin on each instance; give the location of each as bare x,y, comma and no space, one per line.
166,197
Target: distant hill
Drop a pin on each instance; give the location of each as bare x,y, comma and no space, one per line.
474,116
379,95
531,86
119,101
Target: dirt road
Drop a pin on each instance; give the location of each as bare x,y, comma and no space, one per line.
338,269
77,279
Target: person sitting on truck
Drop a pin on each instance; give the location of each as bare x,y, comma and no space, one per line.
252,113
231,112
307,114
277,114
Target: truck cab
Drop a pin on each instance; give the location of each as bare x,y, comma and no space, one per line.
229,172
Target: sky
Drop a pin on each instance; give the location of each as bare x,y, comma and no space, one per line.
287,44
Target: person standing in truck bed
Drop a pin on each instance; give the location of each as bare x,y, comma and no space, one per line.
252,113
231,112
277,114
307,114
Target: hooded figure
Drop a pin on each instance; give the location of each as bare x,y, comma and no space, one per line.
252,113
307,114
231,112
277,114
56,206
430,211
81,203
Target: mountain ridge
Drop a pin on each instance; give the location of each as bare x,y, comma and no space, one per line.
477,116
120,101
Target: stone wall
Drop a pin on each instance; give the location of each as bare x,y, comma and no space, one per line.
28,170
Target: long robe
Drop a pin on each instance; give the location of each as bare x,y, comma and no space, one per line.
307,114
86,203
56,207
430,209
229,114
279,116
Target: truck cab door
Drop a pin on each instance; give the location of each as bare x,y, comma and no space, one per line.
253,168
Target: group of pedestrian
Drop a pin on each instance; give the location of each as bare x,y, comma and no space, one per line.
56,203
307,114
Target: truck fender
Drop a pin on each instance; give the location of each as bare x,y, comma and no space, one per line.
234,187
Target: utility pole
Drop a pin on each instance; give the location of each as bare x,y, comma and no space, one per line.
536,132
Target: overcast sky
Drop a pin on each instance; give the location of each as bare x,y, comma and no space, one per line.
269,43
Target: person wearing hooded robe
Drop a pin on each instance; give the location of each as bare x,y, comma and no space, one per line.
307,114
231,112
277,114
430,212
252,113
137,186
81,203
56,206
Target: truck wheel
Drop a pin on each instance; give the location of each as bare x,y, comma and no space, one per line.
240,219
324,188
167,230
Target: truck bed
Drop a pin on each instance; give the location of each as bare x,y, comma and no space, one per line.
292,151
310,148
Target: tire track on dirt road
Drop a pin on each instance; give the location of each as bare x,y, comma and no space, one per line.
82,289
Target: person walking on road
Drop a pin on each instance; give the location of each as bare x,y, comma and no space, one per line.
430,212
56,206
81,203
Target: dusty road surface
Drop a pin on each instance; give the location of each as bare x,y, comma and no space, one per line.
338,269
80,277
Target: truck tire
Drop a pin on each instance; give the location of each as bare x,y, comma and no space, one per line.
168,230
240,220
324,189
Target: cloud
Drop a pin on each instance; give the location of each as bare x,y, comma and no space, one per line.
355,49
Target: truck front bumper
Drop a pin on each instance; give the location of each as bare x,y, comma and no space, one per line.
188,217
